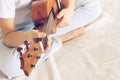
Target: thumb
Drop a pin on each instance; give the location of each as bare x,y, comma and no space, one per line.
60,14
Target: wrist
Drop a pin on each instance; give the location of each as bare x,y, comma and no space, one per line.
14,39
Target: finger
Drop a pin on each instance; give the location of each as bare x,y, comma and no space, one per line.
38,34
61,22
48,43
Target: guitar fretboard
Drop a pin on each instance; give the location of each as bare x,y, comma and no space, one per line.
48,28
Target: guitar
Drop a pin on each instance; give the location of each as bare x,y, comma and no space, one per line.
44,15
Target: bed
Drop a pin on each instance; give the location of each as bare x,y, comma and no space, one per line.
93,56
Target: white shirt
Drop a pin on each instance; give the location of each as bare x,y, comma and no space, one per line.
20,9
10,64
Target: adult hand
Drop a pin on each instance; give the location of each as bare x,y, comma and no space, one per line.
49,40
31,35
65,16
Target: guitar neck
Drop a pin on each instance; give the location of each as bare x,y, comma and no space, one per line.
51,20
43,12
48,27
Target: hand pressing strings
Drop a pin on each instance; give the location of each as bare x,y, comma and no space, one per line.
65,16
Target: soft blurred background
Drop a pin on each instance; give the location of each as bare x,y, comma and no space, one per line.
94,56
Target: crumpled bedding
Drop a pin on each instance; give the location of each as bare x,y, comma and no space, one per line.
93,56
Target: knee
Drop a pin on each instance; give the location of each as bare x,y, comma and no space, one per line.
92,8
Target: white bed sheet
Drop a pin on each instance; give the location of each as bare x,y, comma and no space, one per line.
94,56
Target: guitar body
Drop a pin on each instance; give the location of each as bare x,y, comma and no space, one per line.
41,11
44,14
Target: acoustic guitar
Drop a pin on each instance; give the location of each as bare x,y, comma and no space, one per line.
44,16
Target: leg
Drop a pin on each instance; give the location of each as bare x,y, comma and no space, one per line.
85,13
9,61
71,35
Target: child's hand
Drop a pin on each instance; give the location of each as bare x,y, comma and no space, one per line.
65,16
31,35
48,43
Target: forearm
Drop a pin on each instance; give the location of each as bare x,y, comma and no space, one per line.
72,34
14,39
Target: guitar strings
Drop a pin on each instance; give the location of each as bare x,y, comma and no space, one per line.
48,28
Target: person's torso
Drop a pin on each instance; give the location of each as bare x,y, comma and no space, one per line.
23,11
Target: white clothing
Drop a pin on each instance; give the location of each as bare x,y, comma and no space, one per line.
10,58
20,9
85,13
